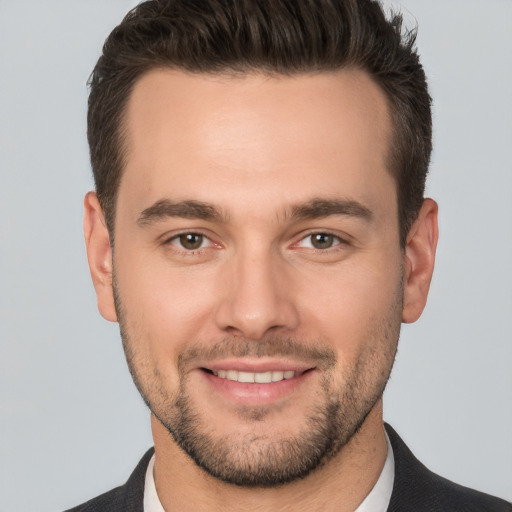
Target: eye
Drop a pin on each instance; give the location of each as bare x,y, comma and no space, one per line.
190,241
320,241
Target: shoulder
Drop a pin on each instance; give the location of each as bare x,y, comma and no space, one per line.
125,498
111,500
419,489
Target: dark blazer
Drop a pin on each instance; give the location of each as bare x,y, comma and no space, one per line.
415,489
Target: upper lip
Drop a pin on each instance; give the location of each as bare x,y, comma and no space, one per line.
257,366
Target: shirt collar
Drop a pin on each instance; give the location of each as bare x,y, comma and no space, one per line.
380,495
151,500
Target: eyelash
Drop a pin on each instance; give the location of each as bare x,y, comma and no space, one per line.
338,241
189,252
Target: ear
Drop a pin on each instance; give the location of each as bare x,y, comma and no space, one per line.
420,252
99,255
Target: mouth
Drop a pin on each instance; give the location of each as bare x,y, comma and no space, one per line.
250,383
266,377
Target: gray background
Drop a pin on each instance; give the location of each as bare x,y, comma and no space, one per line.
71,422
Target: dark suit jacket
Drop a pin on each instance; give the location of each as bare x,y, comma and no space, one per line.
415,489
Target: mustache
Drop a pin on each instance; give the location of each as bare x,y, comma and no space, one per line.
272,346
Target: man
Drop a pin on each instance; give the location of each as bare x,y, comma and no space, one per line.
259,232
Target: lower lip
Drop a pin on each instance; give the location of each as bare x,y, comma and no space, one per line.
244,393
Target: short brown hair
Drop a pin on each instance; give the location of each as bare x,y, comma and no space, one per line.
273,36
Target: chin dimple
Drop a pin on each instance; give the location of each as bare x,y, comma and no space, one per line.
256,377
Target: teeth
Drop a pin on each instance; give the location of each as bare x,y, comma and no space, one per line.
232,375
260,377
263,378
277,376
245,377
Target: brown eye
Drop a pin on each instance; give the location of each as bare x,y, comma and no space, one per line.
191,241
322,240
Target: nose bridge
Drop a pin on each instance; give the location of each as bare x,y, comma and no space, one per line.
256,298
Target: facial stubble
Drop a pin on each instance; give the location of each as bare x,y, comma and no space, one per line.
267,460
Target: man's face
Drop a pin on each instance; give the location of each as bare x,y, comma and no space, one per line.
258,272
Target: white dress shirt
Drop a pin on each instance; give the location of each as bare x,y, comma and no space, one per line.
376,501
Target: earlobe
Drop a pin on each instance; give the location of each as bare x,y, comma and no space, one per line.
420,252
99,256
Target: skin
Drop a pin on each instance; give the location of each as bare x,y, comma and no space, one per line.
260,150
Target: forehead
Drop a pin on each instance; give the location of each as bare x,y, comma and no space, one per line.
195,135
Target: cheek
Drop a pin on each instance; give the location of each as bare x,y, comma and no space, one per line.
167,307
352,304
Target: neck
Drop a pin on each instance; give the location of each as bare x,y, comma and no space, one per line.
341,484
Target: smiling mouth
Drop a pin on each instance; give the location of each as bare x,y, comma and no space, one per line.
255,377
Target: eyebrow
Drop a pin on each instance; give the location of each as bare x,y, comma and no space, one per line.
191,209
318,208
165,208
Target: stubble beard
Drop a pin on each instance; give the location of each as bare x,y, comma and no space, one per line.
252,460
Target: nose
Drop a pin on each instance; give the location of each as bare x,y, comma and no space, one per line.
256,297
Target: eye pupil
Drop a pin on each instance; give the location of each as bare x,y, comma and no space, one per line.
322,240
191,241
